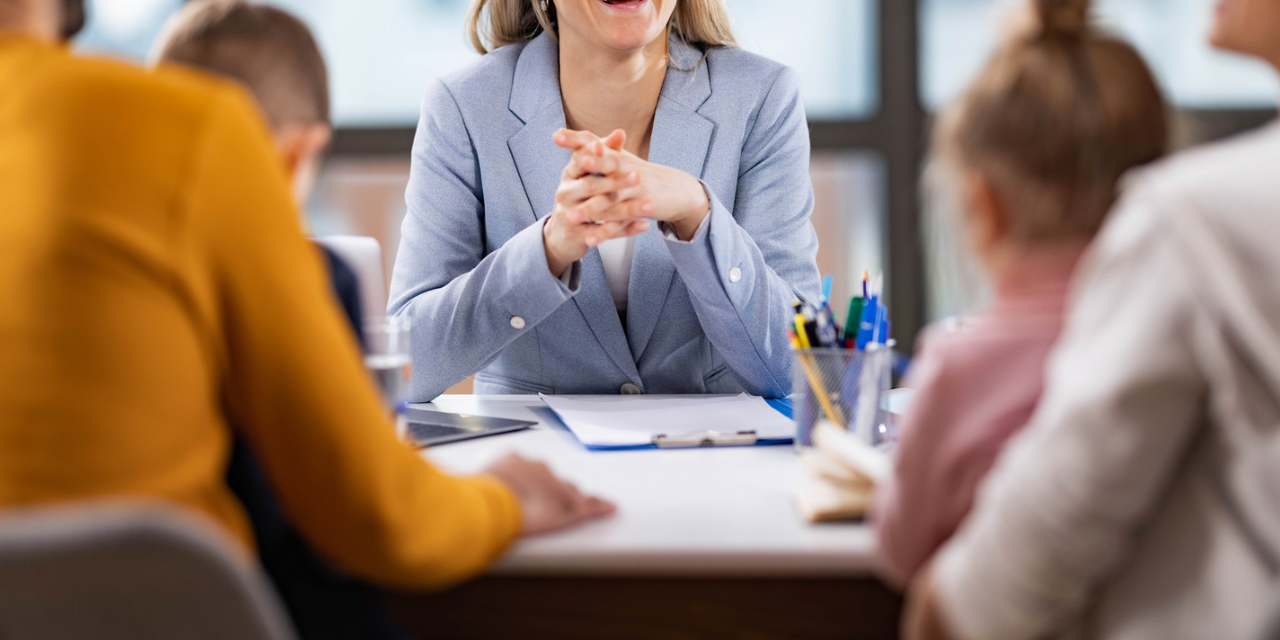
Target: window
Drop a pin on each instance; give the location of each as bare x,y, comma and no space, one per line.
124,28
383,52
830,43
958,35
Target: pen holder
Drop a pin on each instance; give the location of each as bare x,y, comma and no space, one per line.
844,386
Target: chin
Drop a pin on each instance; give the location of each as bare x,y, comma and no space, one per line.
630,41
628,24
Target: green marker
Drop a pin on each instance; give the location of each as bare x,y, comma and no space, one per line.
856,305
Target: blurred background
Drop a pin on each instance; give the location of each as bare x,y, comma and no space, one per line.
873,72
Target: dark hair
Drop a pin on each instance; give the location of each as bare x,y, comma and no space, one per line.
73,18
266,49
1055,119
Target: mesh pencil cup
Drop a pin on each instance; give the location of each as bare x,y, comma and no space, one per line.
843,386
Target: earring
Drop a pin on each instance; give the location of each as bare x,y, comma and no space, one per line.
544,6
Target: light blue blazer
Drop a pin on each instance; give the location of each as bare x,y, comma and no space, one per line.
707,316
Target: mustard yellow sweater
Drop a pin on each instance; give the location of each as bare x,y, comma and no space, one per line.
156,288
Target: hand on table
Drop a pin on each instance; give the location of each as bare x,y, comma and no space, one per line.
607,192
547,503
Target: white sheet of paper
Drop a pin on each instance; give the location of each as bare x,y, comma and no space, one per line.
613,421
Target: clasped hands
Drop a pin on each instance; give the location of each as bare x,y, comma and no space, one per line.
607,192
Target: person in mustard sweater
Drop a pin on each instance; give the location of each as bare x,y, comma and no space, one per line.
157,289
274,56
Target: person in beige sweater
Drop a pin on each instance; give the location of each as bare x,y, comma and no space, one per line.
1143,499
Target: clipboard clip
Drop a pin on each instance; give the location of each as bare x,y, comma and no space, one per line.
705,439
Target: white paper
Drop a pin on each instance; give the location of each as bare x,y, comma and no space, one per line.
619,421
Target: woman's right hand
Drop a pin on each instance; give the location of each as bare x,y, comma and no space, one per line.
571,230
547,503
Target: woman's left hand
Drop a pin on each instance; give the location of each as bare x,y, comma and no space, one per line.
678,198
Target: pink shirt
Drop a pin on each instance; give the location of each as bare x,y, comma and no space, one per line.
976,386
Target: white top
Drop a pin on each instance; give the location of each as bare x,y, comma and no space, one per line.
1140,502
691,512
618,255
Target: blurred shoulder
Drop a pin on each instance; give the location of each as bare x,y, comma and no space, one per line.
1228,185
1242,165
130,96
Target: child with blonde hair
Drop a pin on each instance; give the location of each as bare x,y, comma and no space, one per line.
1039,143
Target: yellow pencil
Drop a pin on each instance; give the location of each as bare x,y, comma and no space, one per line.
819,389
801,334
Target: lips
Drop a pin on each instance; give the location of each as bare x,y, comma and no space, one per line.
624,4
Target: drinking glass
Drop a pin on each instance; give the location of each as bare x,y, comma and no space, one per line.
388,359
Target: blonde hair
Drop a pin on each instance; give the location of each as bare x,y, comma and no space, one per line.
1053,122
266,49
497,23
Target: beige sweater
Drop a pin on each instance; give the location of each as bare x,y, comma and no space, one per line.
1143,500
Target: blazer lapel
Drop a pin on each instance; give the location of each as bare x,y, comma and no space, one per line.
681,138
535,99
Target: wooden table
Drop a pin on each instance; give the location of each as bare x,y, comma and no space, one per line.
707,544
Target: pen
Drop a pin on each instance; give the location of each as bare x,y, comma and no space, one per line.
826,288
802,335
825,327
852,320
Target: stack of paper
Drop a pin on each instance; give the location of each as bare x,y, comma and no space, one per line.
621,422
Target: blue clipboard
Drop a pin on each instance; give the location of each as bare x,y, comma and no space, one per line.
785,406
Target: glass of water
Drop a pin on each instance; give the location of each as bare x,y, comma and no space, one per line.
388,359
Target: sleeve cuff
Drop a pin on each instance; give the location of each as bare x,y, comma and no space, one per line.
531,290
507,509
572,277
699,236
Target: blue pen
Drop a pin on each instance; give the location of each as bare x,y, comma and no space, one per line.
870,315
826,288
867,324
881,334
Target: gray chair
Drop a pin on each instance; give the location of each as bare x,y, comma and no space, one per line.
129,571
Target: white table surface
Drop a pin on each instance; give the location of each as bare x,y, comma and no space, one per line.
692,512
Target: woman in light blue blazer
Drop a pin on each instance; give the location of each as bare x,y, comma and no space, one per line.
528,254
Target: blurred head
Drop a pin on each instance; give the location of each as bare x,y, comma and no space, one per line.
1044,134
1250,27
621,25
61,19
271,53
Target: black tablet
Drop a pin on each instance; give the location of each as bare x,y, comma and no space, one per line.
426,428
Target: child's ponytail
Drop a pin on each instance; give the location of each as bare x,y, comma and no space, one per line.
1054,121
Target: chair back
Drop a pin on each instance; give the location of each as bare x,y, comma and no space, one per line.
129,571
364,256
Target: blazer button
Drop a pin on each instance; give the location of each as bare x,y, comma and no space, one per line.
630,389
517,323
735,274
